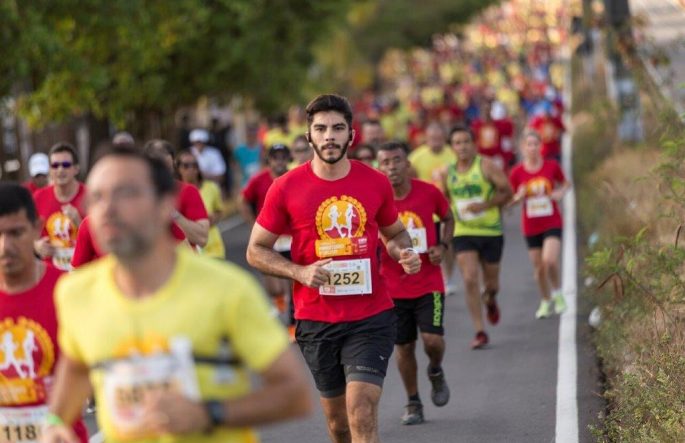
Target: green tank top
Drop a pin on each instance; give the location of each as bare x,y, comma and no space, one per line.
468,187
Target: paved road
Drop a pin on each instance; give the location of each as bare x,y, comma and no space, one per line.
505,393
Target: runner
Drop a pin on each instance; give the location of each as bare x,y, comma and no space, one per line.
301,151
429,159
60,207
251,204
212,163
189,171
28,322
336,209
541,184
550,128
477,188
419,298
39,167
163,335
488,135
365,154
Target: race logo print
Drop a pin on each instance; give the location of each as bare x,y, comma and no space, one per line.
538,186
61,230
27,355
416,230
340,218
410,220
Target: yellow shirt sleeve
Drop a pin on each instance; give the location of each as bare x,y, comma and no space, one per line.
65,336
257,335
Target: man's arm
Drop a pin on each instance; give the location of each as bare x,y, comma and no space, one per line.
67,397
195,231
398,243
261,255
436,253
497,177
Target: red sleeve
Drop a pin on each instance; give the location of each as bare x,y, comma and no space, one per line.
558,173
84,251
387,213
514,179
250,191
190,204
274,215
442,206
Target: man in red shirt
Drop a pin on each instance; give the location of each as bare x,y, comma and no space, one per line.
419,298
336,210
488,135
550,128
60,207
39,166
28,322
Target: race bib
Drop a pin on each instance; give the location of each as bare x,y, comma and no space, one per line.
348,277
418,239
128,382
283,243
21,425
463,213
337,247
62,258
540,206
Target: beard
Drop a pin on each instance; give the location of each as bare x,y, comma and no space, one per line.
332,161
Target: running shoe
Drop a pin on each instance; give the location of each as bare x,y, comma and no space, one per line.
413,413
440,392
559,303
480,340
492,308
544,310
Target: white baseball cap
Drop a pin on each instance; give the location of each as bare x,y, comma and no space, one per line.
199,135
39,163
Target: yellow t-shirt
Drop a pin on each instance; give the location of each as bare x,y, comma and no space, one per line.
214,307
428,164
211,197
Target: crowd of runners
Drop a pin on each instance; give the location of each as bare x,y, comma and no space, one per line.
364,215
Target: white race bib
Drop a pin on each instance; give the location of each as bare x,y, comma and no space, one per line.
348,277
418,239
127,382
283,243
21,425
540,206
462,204
62,258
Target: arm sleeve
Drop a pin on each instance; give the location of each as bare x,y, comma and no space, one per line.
387,213
84,251
249,191
274,215
65,336
191,206
559,175
442,206
256,335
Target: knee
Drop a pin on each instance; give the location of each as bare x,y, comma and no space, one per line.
471,282
362,415
549,265
338,424
406,350
433,342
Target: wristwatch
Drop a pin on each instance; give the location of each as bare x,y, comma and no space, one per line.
216,410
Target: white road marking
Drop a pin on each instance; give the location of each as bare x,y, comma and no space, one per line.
567,370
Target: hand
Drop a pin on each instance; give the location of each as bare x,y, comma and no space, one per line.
72,213
172,413
477,207
43,247
436,253
410,261
315,275
556,195
58,434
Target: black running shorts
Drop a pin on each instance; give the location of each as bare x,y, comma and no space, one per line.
338,353
489,248
425,313
536,241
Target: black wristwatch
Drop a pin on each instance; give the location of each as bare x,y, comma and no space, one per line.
216,410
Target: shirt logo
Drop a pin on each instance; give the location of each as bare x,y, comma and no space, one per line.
538,186
343,217
27,354
411,220
61,230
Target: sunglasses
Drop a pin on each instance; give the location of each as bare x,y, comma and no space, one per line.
188,165
65,165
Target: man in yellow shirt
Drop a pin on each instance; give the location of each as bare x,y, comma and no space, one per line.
429,159
165,337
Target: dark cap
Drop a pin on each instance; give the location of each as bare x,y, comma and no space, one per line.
279,147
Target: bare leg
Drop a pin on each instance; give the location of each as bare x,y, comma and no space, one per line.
539,273
362,411
335,410
406,363
468,265
550,260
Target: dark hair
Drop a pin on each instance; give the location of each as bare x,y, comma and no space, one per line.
372,122
300,138
329,102
157,144
394,144
14,198
361,148
162,179
177,163
459,128
64,147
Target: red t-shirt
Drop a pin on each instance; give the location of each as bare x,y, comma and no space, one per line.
506,126
338,219
56,225
540,213
488,137
256,188
189,204
31,186
86,250
416,213
550,130
30,350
